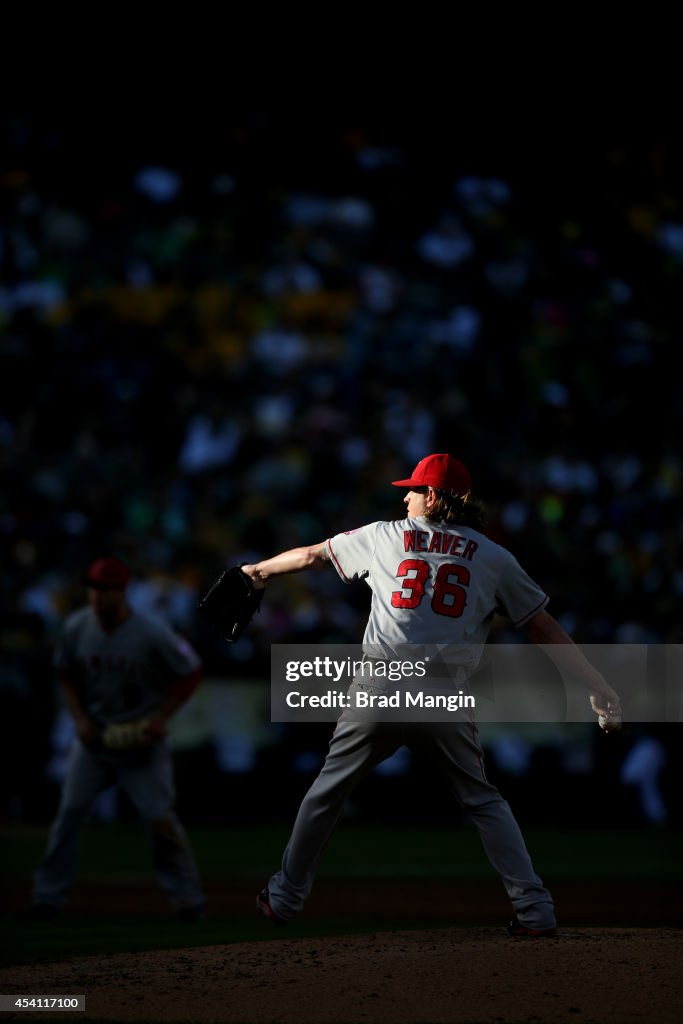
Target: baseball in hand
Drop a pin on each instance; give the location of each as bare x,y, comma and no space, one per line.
609,716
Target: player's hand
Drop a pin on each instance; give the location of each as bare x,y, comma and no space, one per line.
608,712
154,729
252,572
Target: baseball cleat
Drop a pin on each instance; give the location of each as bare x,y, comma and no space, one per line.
517,930
264,908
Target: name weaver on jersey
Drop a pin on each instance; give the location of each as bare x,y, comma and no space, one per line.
439,543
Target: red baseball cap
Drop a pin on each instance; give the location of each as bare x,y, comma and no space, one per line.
108,574
442,472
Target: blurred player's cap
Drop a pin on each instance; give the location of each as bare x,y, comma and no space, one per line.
107,574
442,472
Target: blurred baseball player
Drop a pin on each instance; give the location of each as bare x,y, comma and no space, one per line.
435,579
123,674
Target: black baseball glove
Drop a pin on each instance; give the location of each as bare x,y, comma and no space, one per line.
231,603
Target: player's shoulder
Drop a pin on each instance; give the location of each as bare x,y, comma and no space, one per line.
493,548
149,622
396,526
157,628
77,620
358,532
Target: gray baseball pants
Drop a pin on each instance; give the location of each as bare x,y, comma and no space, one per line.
147,777
356,747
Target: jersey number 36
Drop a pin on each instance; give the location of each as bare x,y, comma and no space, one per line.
448,598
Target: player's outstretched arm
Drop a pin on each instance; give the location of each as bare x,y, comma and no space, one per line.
544,629
294,560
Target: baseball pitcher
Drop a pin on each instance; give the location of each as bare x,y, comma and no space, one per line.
435,579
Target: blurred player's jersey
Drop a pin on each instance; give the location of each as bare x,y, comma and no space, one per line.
126,673
433,583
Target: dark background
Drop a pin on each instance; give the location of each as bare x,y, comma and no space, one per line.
236,353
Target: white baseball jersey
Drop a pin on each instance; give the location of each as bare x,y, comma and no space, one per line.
433,583
127,673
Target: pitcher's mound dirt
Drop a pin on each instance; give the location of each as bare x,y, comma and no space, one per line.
591,975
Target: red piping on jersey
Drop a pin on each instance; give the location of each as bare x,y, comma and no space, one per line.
336,562
536,609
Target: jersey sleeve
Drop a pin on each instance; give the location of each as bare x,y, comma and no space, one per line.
518,596
351,553
175,651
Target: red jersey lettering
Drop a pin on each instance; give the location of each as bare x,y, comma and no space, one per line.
470,548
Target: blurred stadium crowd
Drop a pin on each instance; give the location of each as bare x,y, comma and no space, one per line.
213,352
